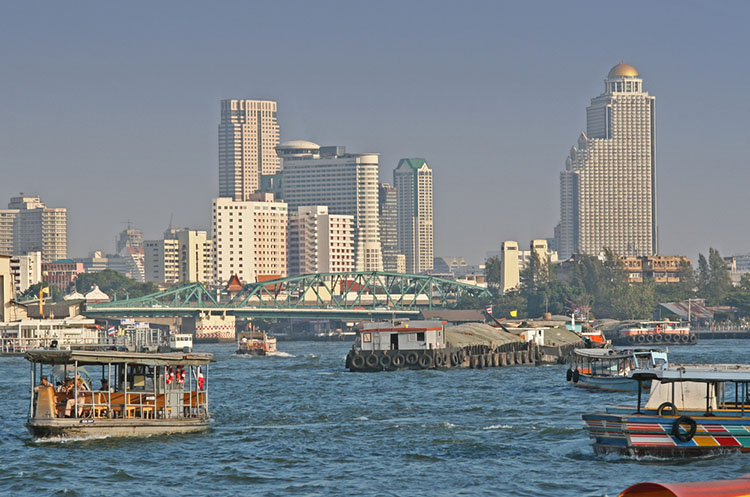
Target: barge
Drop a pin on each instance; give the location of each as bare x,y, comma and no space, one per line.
653,333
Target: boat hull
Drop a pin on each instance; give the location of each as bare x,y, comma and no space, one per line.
97,428
611,383
653,435
255,352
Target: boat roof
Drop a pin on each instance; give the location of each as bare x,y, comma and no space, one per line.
613,353
705,374
45,356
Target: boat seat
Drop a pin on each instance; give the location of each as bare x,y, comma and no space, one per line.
45,403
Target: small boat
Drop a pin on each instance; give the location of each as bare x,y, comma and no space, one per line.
655,333
608,369
141,393
739,487
181,342
255,343
691,411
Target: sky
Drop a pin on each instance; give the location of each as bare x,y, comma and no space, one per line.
111,109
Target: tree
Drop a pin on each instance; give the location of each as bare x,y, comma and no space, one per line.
56,295
110,281
703,275
493,273
719,282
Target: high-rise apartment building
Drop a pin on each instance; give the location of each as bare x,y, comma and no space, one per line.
320,242
346,183
608,188
183,256
27,225
129,237
249,238
162,261
413,181
248,136
388,211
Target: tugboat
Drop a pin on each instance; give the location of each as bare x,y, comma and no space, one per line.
655,333
141,394
255,343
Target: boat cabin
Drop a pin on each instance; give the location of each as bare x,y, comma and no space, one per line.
617,362
407,335
181,342
117,393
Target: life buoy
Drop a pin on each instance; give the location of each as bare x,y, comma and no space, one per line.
666,406
576,376
170,375
412,358
398,360
425,362
372,360
358,361
684,436
180,374
569,375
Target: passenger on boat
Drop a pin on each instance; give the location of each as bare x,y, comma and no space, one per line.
44,383
72,400
106,387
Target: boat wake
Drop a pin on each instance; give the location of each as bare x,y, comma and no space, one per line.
497,427
281,354
57,440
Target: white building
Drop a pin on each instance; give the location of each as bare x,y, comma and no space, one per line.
249,238
413,181
543,252
607,191
510,271
346,183
320,242
162,261
26,270
27,225
248,136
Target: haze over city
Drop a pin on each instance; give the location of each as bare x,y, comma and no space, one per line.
112,111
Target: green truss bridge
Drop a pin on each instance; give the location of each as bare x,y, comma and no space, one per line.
349,296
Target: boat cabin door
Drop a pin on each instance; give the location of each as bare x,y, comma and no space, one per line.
394,341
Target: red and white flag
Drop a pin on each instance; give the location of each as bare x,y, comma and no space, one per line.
488,310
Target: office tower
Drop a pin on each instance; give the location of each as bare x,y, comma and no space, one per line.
510,272
608,190
248,136
249,238
388,211
320,242
27,225
346,183
413,181
129,237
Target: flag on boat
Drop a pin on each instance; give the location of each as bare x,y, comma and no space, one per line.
201,379
514,313
489,310
111,331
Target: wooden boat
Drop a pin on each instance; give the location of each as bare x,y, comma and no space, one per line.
739,487
255,343
141,393
691,411
608,369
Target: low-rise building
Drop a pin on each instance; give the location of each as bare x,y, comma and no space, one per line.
62,272
657,268
27,270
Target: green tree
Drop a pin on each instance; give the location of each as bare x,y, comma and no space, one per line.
56,294
110,281
719,282
493,273
703,275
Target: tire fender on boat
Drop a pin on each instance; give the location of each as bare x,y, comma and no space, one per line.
385,361
679,434
576,376
425,362
569,375
454,358
372,360
667,406
398,360
358,361
412,358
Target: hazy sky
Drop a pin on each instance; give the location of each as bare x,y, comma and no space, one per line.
111,109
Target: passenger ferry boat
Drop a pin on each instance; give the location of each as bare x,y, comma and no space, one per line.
255,343
181,342
141,393
692,411
655,332
609,369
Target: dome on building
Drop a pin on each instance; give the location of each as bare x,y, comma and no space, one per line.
299,144
623,70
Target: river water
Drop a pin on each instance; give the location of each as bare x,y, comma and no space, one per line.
300,424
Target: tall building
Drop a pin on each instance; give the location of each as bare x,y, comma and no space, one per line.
194,257
27,225
248,136
129,238
27,270
413,181
388,211
510,277
162,261
608,188
249,238
320,242
346,183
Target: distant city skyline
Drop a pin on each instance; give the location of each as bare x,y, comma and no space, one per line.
491,95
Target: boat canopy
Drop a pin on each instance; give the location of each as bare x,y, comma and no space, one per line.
718,373
44,356
719,488
611,353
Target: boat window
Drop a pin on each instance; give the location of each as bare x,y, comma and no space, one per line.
420,336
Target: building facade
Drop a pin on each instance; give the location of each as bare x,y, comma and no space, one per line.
26,270
129,237
320,242
248,136
162,261
608,188
346,183
388,211
27,225
249,238
413,181
510,278
61,273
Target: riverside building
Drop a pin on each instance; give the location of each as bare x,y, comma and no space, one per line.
413,181
249,238
346,183
320,242
608,190
393,261
27,225
248,136
183,256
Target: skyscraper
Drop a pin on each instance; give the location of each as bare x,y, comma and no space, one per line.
248,135
413,181
388,211
346,183
30,226
608,188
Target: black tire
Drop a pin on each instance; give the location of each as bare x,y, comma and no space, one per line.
412,358
631,339
358,362
693,339
659,338
425,362
398,360
472,361
568,375
372,360
687,435
667,405
684,338
650,338
385,361
439,360
640,338
576,376
462,356
454,359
